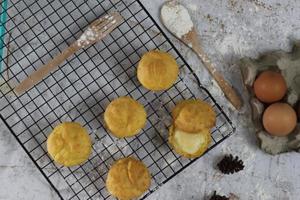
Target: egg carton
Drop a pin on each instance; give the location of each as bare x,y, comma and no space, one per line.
287,63
81,88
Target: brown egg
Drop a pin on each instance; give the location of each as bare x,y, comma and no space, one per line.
270,87
279,119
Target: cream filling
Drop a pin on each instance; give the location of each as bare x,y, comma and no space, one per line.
189,142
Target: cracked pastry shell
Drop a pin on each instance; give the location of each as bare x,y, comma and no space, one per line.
157,70
187,144
193,116
125,117
69,144
128,179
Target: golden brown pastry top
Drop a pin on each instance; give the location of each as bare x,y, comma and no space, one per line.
128,178
193,116
69,144
125,117
157,70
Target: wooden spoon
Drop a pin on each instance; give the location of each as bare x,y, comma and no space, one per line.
190,39
95,32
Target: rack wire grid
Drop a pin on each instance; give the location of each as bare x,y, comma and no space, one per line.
83,86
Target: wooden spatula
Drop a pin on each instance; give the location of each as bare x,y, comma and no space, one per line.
95,32
192,41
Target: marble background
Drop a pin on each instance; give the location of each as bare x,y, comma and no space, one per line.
229,29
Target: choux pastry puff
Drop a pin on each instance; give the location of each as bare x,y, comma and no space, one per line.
69,144
124,117
157,70
128,179
189,135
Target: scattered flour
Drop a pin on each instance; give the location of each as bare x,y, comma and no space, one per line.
234,44
91,33
176,18
192,7
87,37
215,89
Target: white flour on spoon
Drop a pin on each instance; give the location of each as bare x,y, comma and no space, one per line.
176,18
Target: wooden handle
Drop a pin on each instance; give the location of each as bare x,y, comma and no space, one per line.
229,92
45,70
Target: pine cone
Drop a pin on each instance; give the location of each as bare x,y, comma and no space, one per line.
218,197
230,165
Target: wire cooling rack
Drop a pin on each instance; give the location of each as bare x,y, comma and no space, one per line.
84,85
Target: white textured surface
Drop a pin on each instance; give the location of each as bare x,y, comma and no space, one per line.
229,29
